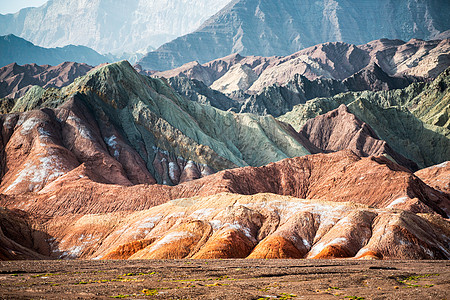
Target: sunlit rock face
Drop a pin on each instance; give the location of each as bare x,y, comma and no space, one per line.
109,25
268,28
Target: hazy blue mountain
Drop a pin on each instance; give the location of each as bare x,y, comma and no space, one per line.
281,27
15,49
106,26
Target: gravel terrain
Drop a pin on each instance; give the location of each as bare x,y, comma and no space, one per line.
225,279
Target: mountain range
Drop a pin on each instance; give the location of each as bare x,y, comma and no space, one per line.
109,26
247,27
17,50
268,28
337,147
273,85
16,80
124,147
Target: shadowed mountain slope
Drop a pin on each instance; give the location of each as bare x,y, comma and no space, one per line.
20,51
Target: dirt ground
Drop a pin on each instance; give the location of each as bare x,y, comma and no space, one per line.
225,279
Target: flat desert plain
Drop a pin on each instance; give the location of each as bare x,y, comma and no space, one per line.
224,279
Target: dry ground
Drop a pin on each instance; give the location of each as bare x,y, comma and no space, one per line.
225,279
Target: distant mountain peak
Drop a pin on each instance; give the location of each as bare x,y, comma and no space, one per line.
21,51
112,26
270,27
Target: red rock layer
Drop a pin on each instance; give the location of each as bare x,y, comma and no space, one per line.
341,176
127,250
339,130
15,80
232,226
437,176
42,145
257,226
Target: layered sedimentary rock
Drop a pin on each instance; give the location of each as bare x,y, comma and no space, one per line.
339,129
126,129
340,176
120,166
379,64
258,226
274,85
437,176
16,80
267,28
413,121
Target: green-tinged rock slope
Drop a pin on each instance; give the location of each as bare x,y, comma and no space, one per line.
165,128
414,121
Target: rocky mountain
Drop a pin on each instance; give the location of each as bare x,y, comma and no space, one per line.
242,213
19,51
267,28
16,80
131,129
109,25
80,168
387,60
339,129
274,85
118,127
413,121
338,177
437,176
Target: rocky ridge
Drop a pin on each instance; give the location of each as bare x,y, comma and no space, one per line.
414,121
129,126
258,226
386,59
338,177
246,212
274,85
267,28
16,80
339,129
80,168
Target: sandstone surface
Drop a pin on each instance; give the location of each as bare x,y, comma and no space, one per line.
255,226
341,176
437,176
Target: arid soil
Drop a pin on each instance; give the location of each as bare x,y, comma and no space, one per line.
225,279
